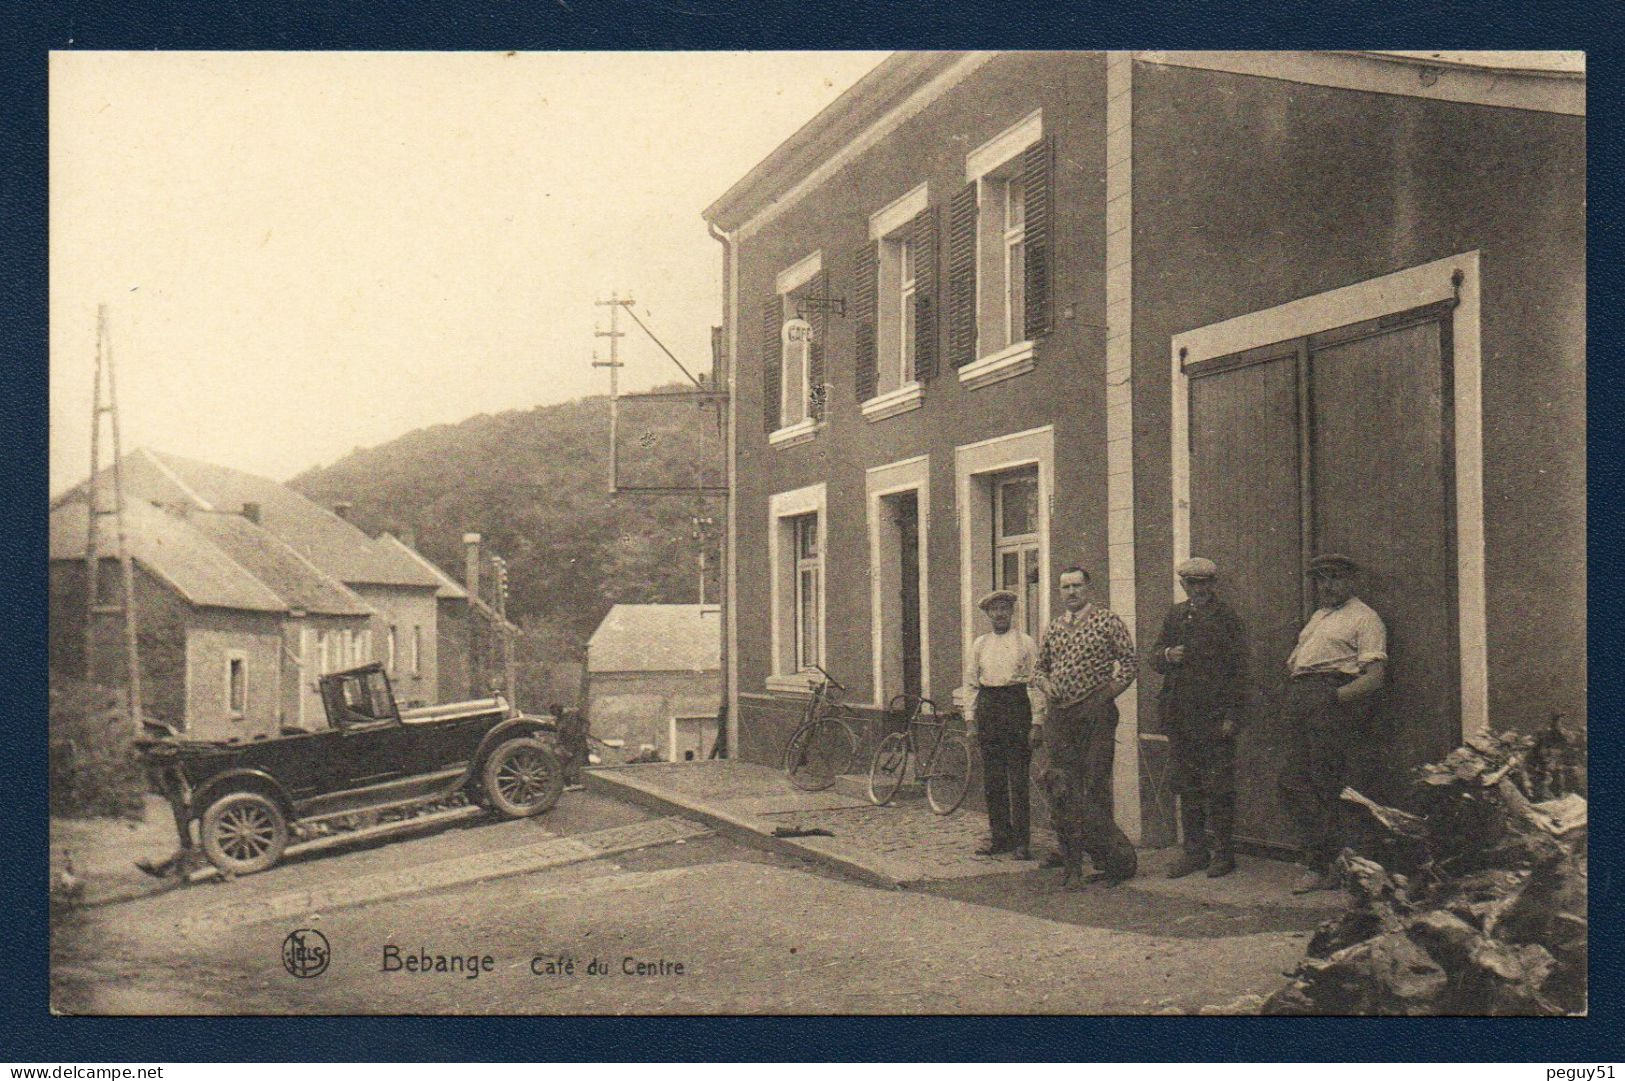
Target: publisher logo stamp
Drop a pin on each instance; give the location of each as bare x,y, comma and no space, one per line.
305,953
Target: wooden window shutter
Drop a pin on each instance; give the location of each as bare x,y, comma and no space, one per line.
1036,169
923,237
962,276
772,361
818,319
866,286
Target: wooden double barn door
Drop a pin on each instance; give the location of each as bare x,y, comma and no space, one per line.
1338,442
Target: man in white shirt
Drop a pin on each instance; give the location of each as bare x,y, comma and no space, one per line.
1000,714
1337,666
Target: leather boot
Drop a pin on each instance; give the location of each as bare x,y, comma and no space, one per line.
1221,821
1191,821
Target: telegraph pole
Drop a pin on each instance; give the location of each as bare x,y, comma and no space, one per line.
94,511
615,303
717,395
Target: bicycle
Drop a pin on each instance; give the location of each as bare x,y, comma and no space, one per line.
823,745
945,763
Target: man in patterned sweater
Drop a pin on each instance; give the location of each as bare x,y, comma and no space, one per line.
1087,659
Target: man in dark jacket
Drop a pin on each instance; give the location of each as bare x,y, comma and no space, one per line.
1202,655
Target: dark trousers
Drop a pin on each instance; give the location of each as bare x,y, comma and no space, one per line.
1082,741
1203,775
1321,735
1004,718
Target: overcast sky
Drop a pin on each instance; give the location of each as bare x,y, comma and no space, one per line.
306,253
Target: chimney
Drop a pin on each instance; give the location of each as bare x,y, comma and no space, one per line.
251,511
342,509
471,564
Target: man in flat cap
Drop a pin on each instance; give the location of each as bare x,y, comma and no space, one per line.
1336,667
1202,655
1001,716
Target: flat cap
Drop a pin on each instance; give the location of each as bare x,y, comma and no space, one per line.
1332,565
995,597
1197,567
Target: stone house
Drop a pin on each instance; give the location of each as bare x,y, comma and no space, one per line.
654,678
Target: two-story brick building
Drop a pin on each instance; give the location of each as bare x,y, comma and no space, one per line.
994,313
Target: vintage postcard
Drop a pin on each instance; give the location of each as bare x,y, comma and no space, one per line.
818,533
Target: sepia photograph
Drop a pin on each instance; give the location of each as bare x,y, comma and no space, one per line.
817,533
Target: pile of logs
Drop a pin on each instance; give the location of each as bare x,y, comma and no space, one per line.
1473,901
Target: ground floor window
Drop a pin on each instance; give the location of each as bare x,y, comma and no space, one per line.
809,591
1015,542
796,541
1005,491
237,684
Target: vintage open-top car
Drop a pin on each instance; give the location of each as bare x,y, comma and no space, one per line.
247,795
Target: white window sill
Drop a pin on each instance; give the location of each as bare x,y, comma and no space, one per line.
904,398
1007,363
799,432
795,683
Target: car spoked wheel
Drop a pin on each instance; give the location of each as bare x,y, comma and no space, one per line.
244,832
523,777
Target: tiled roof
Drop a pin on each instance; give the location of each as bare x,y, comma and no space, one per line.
316,533
657,638
288,574
449,587
170,547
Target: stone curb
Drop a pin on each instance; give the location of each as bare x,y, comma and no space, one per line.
754,831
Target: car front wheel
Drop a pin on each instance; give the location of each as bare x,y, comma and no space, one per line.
244,832
523,777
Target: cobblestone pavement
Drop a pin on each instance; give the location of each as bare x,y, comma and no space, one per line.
906,843
906,832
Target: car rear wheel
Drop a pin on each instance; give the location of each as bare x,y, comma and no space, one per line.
244,832
523,777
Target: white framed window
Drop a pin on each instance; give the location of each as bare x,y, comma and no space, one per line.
809,592
796,545
1014,256
1005,490
417,650
996,167
904,351
237,684
796,415
1015,542
1001,260
892,230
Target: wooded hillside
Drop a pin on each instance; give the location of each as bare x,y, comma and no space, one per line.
534,483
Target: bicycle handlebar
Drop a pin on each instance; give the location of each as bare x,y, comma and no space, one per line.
831,680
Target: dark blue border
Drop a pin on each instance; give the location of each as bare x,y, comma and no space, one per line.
29,1033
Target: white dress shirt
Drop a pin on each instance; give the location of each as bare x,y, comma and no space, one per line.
998,660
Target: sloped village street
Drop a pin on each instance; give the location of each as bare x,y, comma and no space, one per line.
754,931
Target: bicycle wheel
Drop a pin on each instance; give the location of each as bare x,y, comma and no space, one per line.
887,767
825,751
949,779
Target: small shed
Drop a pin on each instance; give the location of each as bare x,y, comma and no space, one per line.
654,678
